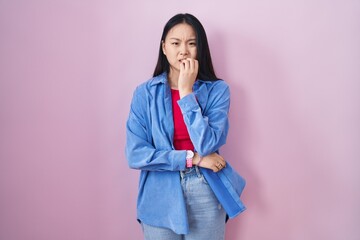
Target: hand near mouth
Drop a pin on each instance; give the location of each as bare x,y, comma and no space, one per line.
188,72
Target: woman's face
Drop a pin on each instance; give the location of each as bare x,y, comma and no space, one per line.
180,43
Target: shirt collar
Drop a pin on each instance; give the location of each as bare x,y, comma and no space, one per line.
162,78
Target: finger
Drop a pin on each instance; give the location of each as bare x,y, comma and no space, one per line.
219,165
222,160
186,64
191,64
182,65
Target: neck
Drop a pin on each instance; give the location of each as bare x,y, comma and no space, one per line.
173,78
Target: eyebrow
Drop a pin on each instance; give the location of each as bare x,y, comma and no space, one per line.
177,39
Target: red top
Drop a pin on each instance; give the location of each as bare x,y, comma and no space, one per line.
181,135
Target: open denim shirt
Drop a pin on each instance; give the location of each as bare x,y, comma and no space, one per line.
149,147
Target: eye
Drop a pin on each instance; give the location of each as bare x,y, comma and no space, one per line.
175,43
192,43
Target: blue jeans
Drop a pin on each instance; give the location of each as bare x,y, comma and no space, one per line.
205,213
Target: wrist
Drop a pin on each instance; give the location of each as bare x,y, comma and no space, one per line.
196,159
184,92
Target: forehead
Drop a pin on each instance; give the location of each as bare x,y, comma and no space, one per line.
181,31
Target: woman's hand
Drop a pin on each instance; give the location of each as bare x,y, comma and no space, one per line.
212,161
188,72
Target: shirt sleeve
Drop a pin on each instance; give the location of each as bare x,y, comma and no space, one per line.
208,129
139,150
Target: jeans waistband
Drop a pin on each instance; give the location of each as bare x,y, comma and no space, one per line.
191,171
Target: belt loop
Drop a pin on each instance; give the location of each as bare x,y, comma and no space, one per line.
198,171
182,174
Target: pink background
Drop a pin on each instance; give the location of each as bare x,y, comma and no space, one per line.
67,73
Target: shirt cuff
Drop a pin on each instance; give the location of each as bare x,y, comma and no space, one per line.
178,159
188,103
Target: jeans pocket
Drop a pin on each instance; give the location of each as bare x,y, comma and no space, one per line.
204,180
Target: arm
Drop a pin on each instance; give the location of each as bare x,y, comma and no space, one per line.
140,152
208,130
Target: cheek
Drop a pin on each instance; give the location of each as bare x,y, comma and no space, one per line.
170,53
171,58
194,53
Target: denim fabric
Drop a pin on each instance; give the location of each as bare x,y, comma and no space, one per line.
205,213
149,144
159,233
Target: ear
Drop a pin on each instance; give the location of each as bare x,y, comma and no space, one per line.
163,47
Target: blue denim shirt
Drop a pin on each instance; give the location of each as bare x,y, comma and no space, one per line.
149,144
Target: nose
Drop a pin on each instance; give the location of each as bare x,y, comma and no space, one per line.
184,50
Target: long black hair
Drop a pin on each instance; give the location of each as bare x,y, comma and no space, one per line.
206,69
